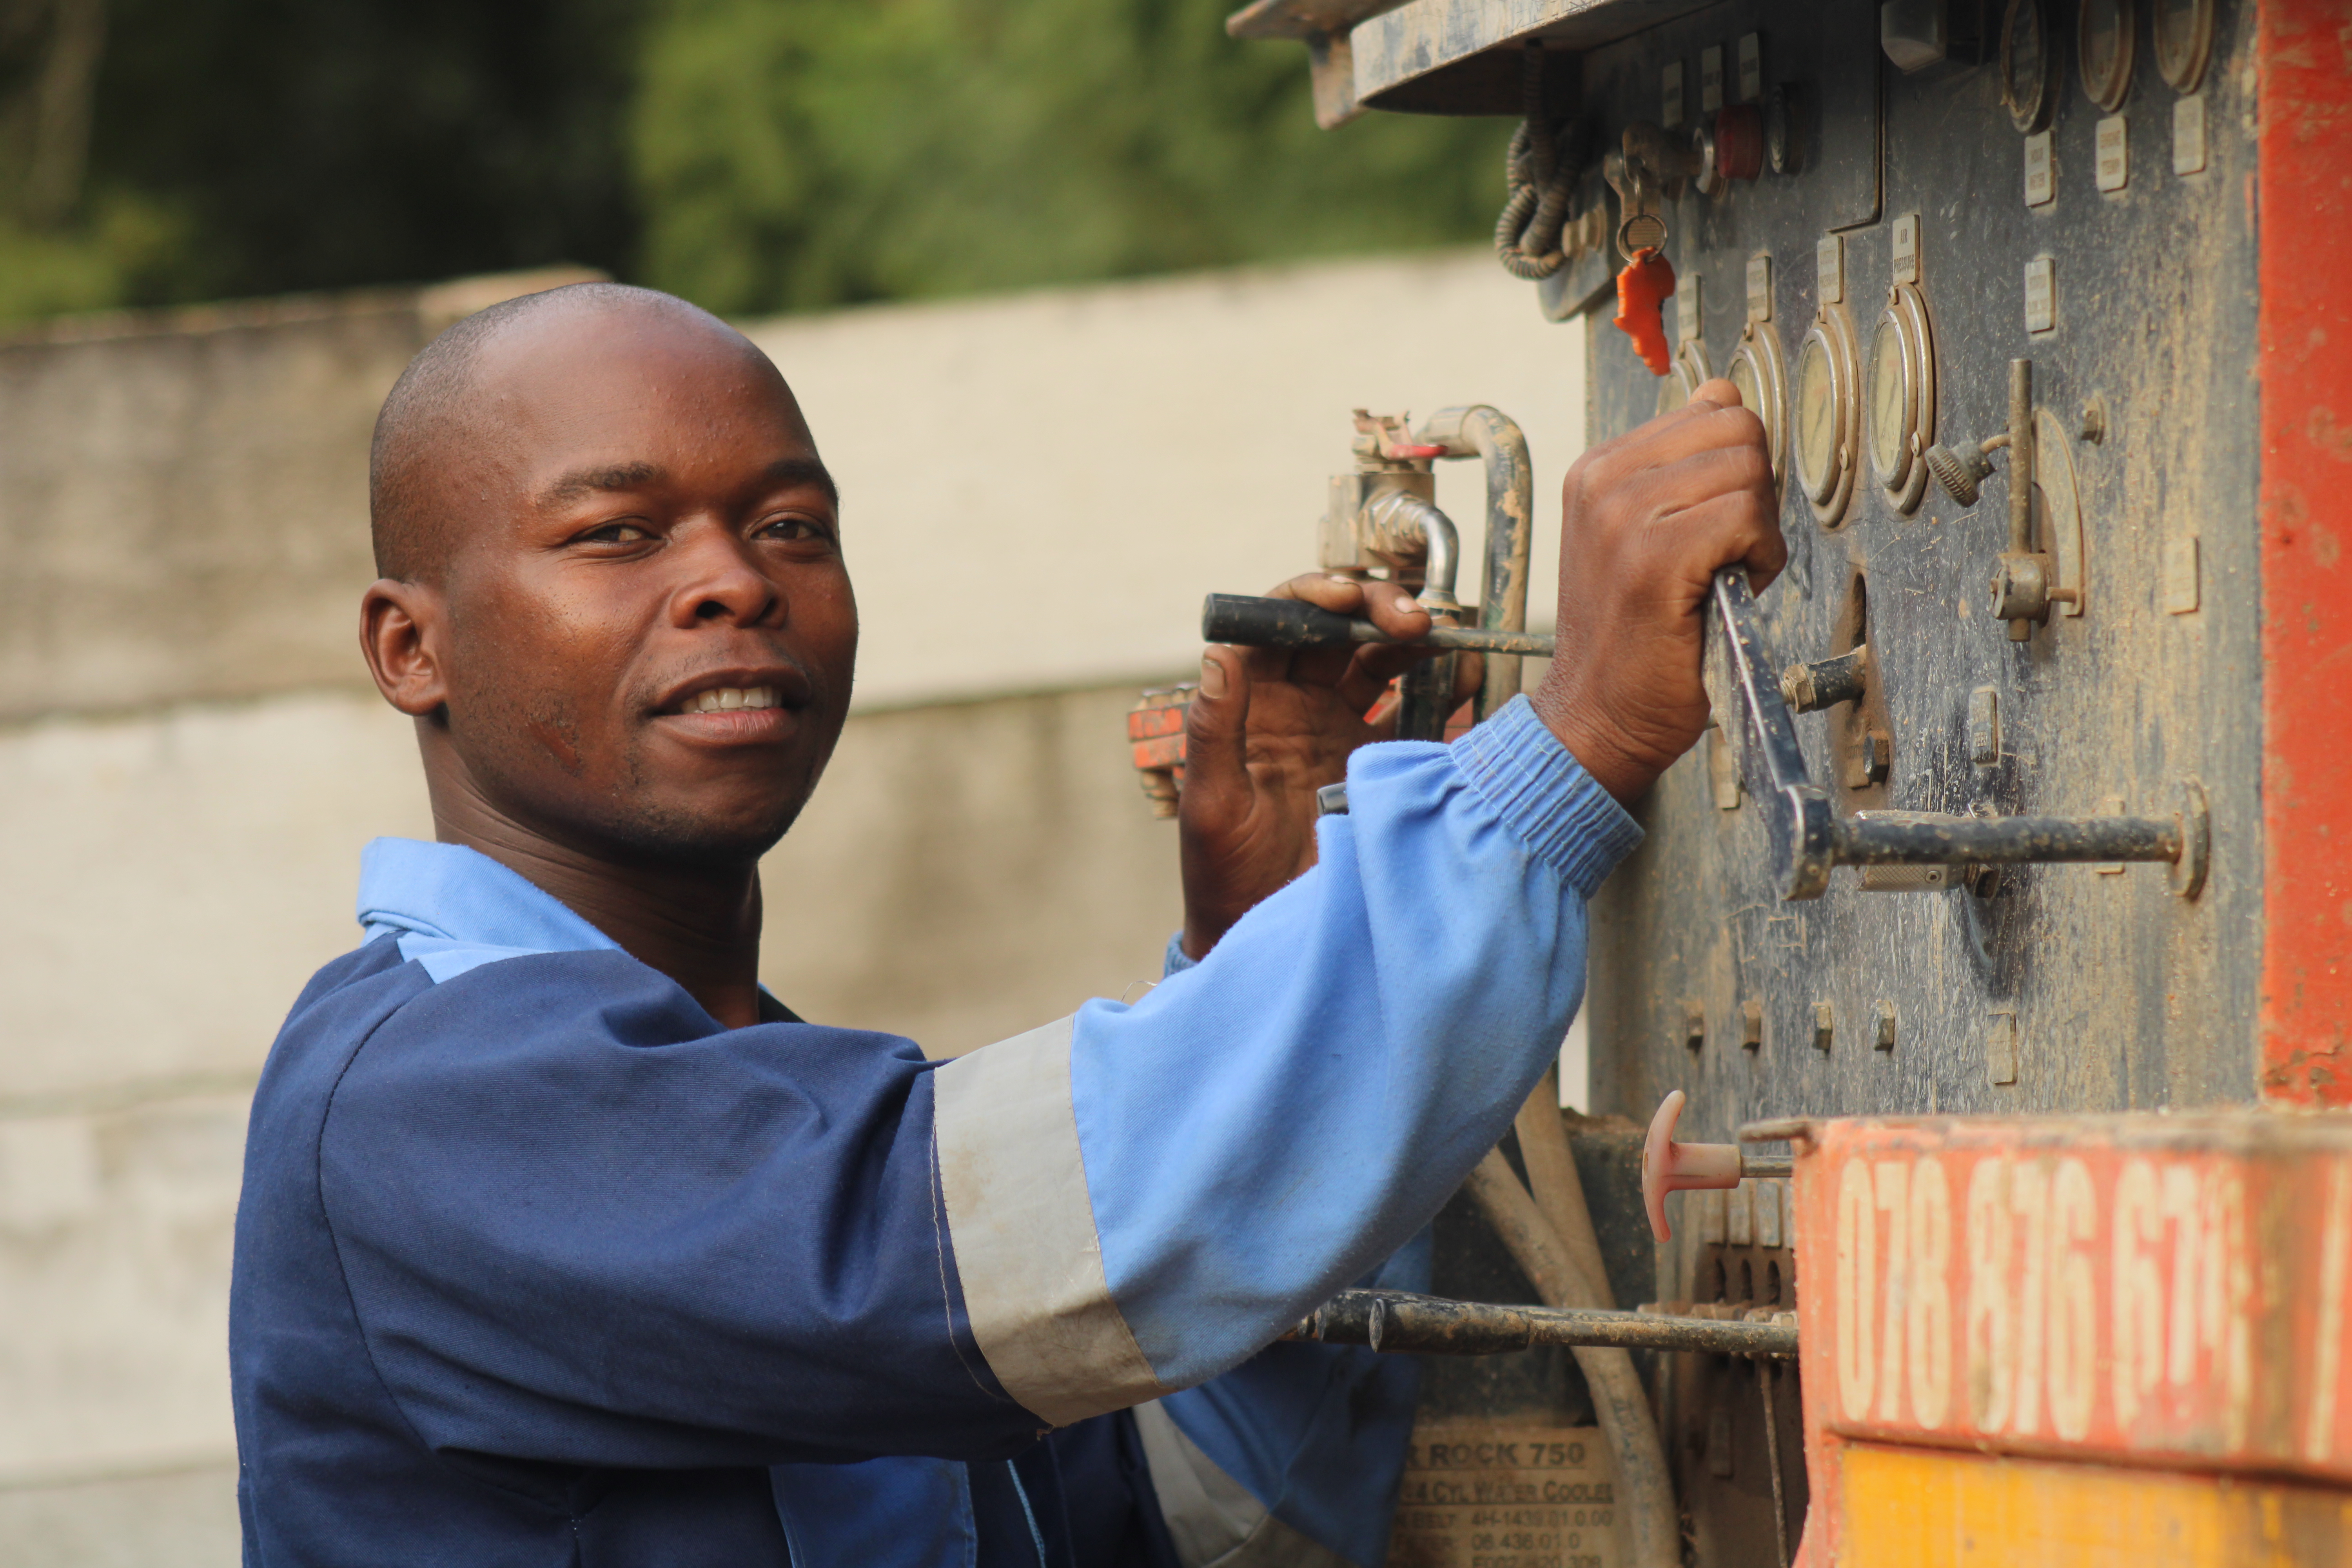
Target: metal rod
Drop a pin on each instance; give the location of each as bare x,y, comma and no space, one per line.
2021,454
2020,473
2006,840
1254,622
1773,1457
1394,1321
1767,1164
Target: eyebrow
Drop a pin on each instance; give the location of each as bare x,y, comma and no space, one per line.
581,482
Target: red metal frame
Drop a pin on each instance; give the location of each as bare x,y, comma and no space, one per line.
2304,200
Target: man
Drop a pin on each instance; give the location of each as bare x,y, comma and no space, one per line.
563,1242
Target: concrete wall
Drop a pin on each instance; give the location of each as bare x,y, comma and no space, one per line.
190,760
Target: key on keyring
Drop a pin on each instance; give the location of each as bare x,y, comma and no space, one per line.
1642,289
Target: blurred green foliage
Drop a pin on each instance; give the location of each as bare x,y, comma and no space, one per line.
751,154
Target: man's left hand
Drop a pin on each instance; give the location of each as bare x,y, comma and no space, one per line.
1267,728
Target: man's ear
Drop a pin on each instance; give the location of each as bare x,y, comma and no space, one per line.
401,627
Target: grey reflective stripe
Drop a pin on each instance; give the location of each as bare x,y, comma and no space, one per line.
1023,1231
1212,1518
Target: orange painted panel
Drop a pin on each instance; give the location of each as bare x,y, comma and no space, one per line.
2171,1291
1905,1507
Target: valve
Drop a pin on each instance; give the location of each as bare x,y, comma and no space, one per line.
1671,1167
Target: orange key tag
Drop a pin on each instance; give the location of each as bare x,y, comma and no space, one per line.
1643,289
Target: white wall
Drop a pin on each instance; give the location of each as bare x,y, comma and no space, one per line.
1038,489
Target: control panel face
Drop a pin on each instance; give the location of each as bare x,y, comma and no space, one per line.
2066,185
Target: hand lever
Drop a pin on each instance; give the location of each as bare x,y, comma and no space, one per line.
1671,1167
1805,835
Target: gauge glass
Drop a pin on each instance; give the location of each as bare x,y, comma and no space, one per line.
1674,391
1891,401
2184,42
1754,374
1743,381
1817,420
2104,44
2024,64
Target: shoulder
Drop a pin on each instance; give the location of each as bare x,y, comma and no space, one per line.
598,1033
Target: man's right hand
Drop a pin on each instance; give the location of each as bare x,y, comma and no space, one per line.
1649,518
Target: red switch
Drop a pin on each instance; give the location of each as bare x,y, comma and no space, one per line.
1643,289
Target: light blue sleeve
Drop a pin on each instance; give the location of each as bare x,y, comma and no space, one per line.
1272,1122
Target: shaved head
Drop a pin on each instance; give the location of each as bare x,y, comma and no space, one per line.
613,597
442,420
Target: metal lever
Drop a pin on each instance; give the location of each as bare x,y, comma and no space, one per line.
1398,1321
1253,622
1806,836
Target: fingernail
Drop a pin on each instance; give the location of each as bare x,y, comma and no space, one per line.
1213,680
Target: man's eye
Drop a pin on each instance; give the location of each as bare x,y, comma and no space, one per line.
616,533
795,529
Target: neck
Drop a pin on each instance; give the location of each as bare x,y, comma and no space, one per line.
697,924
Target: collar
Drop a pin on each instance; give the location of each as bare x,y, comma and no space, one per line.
451,909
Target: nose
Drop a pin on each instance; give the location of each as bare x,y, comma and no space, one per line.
721,580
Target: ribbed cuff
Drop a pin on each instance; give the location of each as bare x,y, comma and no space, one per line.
1177,959
1544,795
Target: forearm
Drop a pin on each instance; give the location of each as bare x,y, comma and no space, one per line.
1268,1125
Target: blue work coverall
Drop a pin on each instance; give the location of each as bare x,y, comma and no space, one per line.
538,1264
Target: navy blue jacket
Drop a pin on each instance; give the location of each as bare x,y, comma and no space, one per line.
537,1263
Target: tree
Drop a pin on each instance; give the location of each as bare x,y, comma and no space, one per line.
752,154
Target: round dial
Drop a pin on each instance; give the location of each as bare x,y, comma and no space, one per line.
1902,395
1756,373
1817,420
2184,42
1690,373
2103,46
1892,397
1827,418
2025,66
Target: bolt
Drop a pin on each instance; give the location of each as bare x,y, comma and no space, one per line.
2094,420
1886,1041
1751,1025
1873,758
1824,1025
1694,1023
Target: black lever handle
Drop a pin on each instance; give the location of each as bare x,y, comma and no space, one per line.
1295,624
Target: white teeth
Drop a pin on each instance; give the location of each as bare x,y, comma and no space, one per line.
727,699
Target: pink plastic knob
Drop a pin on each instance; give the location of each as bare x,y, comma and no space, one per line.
1671,1167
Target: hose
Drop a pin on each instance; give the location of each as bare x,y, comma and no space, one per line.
1645,1490
1541,169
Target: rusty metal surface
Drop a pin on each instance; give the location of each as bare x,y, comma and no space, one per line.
2084,987
1430,1325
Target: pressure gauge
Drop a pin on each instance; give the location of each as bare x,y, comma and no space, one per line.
1755,372
2102,48
1691,371
1828,419
2184,42
1902,397
2028,77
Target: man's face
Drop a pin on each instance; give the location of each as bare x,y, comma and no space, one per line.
650,633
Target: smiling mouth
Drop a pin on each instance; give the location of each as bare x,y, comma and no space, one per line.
731,699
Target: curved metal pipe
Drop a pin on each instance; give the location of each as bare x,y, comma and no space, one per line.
1485,432
1399,520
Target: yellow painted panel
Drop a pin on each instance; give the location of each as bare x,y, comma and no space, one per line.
1908,1508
